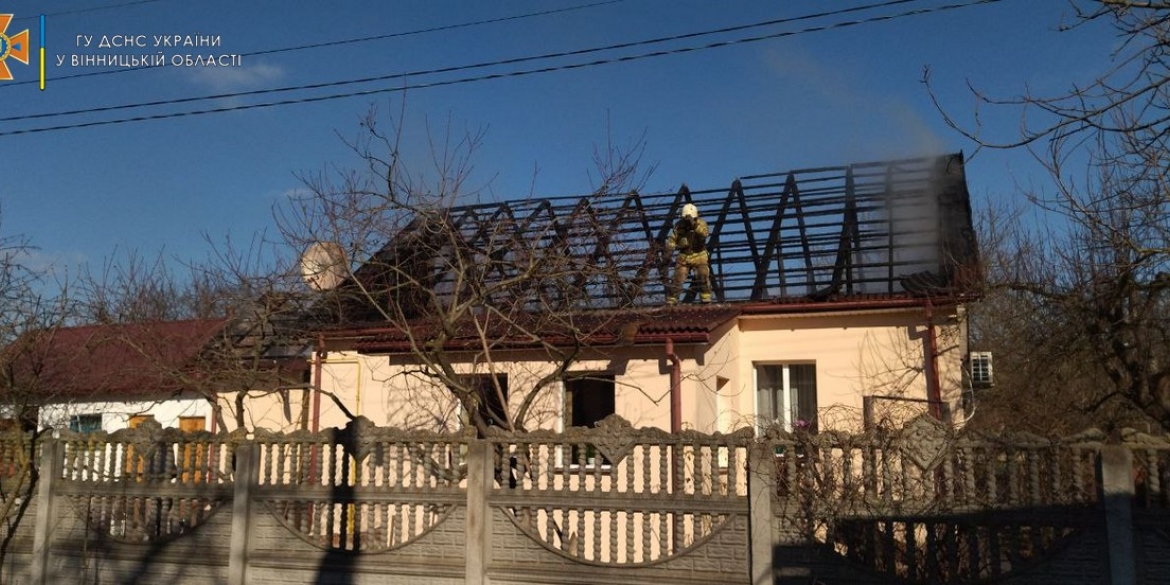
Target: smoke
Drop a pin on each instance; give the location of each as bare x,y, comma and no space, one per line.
854,118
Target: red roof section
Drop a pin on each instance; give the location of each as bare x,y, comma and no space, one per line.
685,323
681,323
118,361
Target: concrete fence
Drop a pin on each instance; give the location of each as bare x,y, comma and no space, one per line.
365,504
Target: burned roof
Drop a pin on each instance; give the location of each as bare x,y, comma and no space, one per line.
894,228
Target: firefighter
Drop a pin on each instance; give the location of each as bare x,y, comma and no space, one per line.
689,237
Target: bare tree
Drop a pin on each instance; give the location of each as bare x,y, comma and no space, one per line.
451,282
1129,100
32,306
258,346
1077,310
1077,304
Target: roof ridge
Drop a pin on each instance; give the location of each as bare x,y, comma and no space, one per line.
214,320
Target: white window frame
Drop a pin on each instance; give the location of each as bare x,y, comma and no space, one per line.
983,357
765,418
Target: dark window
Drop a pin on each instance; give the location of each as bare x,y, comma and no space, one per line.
493,397
588,399
787,395
85,423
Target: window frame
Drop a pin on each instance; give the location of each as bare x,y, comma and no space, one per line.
791,404
981,369
76,425
567,413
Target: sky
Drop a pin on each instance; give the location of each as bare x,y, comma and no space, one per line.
801,98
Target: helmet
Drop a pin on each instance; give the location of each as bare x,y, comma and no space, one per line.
689,210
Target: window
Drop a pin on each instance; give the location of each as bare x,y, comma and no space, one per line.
189,424
588,399
137,420
786,394
85,423
981,368
493,397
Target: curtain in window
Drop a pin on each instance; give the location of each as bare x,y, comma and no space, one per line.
802,381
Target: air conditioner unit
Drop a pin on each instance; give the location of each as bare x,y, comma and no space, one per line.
979,366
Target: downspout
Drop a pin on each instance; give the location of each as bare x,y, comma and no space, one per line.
933,386
315,424
317,373
675,387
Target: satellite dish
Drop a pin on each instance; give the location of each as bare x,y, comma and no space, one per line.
323,265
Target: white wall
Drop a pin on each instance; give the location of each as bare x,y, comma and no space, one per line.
116,415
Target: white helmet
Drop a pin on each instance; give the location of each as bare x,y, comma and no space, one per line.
689,210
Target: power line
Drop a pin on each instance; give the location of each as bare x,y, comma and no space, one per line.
521,73
453,69
345,41
90,9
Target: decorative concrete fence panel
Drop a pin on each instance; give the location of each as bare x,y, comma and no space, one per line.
612,504
619,504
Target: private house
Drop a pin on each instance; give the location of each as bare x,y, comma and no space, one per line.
840,302
184,374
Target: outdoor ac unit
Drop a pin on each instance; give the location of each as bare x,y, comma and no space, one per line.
979,363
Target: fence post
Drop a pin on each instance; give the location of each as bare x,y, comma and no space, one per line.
761,487
1117,494
49,471
246,476
480,479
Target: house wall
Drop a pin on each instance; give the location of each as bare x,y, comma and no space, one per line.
283,411
388,391
856,354
116,415
712,382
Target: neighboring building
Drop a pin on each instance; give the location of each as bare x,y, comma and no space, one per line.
841,292
113,376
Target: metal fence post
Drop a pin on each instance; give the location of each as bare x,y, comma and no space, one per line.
246,476
50,467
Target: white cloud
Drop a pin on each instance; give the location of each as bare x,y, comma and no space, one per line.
50,266
247,77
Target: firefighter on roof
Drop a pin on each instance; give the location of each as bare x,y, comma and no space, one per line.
689,237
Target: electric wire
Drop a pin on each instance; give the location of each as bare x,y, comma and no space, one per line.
442,83
342,42
89,9
452,69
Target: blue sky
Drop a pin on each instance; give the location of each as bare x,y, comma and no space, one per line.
831,97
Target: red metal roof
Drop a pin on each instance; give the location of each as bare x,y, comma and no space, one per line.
121,361
685,323
682,323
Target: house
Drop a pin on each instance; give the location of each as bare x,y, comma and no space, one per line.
841,302
186,374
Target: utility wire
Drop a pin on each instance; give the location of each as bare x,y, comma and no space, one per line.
341,42
521,73
90,9
453,69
